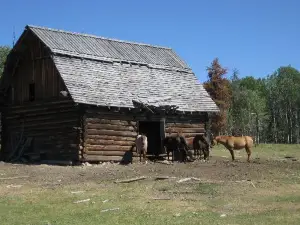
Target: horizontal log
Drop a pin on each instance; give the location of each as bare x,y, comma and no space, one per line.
56,142
185,125
186,135
186,130
42,103
44,116
111,132
109,153
108,142
108,121
110,116
109,137
56,127
106,148
63,133
33,109
57,162
46,133
46,112
108,112
110,127
27,125
101,158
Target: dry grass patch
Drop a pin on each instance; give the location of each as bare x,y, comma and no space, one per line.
224,195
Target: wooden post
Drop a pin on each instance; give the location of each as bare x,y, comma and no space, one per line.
162,134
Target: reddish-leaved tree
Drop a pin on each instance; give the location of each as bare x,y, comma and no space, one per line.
219,89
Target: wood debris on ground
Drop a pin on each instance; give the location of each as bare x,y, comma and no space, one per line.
14,186
164,162
163,178
130,180
11,178
161,198
80,201
188,179
113,209
252,184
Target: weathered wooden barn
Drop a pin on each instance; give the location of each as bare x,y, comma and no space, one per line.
72,96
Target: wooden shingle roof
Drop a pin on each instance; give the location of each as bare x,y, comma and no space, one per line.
108,72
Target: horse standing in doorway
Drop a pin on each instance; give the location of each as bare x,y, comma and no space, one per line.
141,143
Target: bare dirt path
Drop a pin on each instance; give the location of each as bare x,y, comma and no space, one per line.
217,169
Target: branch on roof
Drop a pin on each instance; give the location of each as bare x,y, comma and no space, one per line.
155,109
139,104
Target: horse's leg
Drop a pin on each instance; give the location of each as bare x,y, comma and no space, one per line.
208,152
205,154
172,155
232,153
184,155
144,156
248,150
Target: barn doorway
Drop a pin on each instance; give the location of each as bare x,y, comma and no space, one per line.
153,131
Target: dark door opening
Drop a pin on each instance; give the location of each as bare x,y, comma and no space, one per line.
152,129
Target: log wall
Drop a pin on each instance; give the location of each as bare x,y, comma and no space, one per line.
53,127
34,66
189,128
107,137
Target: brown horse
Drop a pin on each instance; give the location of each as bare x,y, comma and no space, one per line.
176,143
235,143
201,145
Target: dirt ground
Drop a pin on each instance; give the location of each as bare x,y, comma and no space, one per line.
217,169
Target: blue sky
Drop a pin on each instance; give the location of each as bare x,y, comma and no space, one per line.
254,36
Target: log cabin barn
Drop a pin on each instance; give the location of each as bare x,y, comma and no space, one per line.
79,97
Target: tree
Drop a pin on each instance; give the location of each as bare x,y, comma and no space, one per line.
219,89
247,112
284,105
4,50
266,108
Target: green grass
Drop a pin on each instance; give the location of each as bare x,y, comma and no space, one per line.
190,203
207,188
295,198
57,207
266,151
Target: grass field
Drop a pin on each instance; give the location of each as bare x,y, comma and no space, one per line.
265,191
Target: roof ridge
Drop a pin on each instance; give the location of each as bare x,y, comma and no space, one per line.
114,60
95,36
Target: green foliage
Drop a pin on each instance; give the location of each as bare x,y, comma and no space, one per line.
248,100
284,102
4,50
268,108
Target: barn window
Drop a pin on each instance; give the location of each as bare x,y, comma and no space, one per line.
31,92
